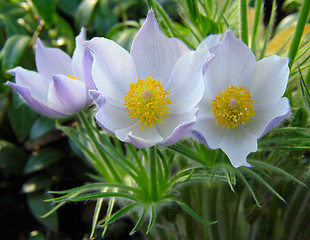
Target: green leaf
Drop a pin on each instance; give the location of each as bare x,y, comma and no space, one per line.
248,186
120,26
268,166
121,213
89,196
96,216
105,18
139,222
40,127
46,9
13,50
261,180
12,9
193,214
12,159
68,6
21,118
302,20
305,90
42,159
37,183
208,26
152,218
38,207
85,13
11,25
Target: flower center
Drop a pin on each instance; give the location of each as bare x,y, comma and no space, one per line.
232,107
146,100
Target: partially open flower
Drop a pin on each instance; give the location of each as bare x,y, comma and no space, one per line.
60,87
242,99
147,96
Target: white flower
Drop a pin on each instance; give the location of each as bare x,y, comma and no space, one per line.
242,99
147,96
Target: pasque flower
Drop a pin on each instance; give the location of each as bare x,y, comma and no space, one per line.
147,96
60,87
242,99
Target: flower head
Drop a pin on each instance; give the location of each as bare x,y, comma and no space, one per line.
60,87
147,96
242,99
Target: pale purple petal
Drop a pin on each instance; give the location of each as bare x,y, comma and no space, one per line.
186,85
176,126
113,118
154,53
88,78
36,105
179,47
238,144
66,95
36,83
268,116
140,142
233,64
199,137
113,69
269,81
140,138
98,98
51,61
275,122
78,54
211,132
209,42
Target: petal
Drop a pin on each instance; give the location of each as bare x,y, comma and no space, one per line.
186,83
154,53
112,69
209,41
267,118
211,132
269,81
180,47
110,117
98,97
176,126
66,95
237,144
52,61
24,91
88,78
140,138
233,64
78,54
36,83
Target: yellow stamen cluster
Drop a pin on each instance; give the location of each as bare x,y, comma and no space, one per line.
146,100
74,78
232,107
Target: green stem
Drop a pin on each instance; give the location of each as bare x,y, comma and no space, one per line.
303,16
244,21
257,19
94,140
152,172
